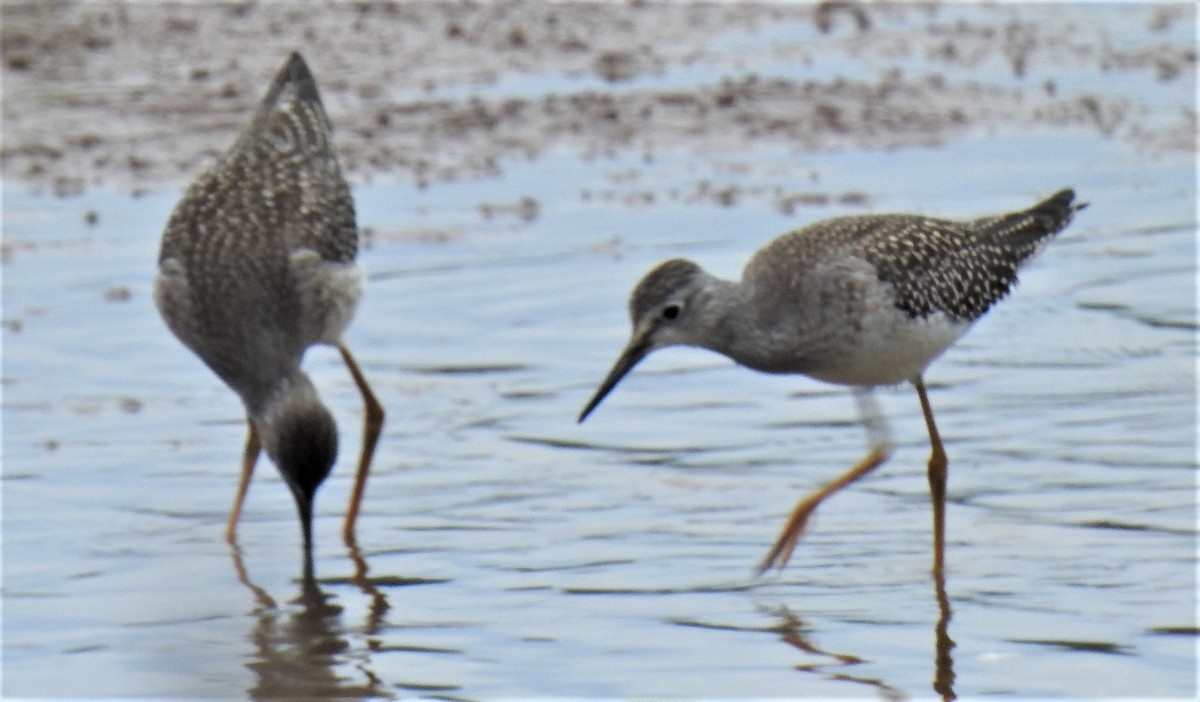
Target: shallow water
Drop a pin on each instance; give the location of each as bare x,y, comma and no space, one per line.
512,552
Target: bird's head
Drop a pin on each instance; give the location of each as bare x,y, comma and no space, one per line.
665,311
300,436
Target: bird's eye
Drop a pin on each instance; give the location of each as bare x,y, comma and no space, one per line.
670,312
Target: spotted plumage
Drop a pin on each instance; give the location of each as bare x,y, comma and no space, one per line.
276,194
860,301
257,263
958,268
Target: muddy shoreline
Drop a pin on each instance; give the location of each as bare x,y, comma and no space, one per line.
141,96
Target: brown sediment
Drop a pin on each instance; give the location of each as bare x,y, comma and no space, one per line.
142,95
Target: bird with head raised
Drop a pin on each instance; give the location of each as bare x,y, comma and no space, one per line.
862,301
257,264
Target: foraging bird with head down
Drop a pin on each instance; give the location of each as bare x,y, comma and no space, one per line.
257,264
861,301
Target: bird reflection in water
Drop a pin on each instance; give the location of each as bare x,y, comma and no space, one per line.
302,650
943,668
791,630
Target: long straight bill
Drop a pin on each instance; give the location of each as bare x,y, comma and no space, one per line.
635,352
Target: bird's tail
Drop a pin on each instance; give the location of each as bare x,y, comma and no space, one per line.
293,82
1029,228
290,114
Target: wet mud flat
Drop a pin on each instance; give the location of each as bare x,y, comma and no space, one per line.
141,95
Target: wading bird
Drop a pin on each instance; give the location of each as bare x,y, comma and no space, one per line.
862,301
257,264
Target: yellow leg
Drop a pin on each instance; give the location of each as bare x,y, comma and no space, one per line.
937,481
943,678
881,448
249,458
372,426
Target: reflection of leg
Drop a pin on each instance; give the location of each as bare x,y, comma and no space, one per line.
943,671
372,425
880,450
264,600
379,603
793,632
249,458
937,481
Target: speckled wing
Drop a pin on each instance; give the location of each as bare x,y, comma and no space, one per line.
228,284
290,141
933,265
960,269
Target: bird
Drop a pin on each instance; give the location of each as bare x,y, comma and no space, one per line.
258,263
862,301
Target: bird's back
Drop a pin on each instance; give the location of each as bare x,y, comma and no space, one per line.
958,268
228,284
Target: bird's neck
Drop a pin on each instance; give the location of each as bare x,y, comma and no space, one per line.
294,393
726,314
759,334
